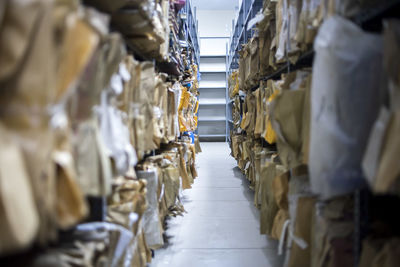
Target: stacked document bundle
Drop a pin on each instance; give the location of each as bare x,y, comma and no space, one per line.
97,142
311,138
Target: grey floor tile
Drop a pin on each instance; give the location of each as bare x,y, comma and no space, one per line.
221,182
163,257
217,173
221,226
218,209
228,258
222,233
217,194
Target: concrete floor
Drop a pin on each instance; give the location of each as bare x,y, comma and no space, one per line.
221,227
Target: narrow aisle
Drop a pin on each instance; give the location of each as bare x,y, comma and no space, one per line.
221,227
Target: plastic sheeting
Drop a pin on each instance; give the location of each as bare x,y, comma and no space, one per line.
116,136
152,222
344,104
103,230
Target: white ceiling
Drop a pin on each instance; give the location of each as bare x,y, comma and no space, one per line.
216,4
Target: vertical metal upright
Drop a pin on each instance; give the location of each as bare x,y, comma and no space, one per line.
227,117
240,35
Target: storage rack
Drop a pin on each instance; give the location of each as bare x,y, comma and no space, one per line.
191,28
228,109
98,205
370,20
240,35
187,33
192,38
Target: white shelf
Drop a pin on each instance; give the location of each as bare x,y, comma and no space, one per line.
212,71
212,84
212,119
212,56
211,135
212,87
209,65
211,102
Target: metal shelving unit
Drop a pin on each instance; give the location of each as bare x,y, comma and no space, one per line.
240,34
228,115
191,29
212,117
369,20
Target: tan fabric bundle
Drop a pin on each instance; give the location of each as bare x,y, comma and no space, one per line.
172,112
56,47
310,19
147,86
236,141
280,189
103,64
70,202
282,18
112,6
385,255
305,127
236,116
93,165
347,8
193,161
242,67
370,249
128,196
143,110
145,28
160,110
287,118
247,66
287,122
133,22
254,65
387,179
247,148
186,181
135,192
332,233
189,156
391,40
301,256
260,156
379,162
172,185
152,224
260,112
27,82
249,116
197,144
233,84
301,205
169,181
19,222
269,207
266,29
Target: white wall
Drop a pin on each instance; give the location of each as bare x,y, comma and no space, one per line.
213,47
215,4
215,23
